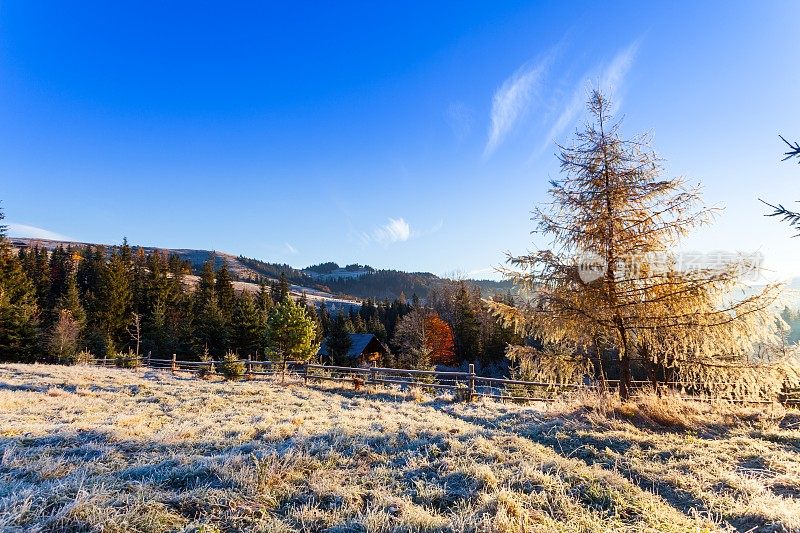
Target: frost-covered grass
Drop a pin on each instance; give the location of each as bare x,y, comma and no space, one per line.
85,449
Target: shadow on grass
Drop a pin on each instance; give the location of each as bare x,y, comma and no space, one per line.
561,437
22,388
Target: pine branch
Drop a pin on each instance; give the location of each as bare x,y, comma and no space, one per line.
794,149
792,217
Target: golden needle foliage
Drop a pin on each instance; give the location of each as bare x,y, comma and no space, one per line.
611,282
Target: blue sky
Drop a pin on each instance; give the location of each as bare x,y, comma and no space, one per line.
418,136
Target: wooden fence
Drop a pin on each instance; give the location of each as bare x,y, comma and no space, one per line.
252,367
469,385
463,385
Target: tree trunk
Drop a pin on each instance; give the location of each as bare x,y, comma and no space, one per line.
653,372
624,365
603,384
652,367
601,371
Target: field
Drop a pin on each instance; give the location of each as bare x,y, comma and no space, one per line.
92,449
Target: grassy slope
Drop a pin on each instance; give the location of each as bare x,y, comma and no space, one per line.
91,449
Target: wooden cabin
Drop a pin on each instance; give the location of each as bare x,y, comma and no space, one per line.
365,350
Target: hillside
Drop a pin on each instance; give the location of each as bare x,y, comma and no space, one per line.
91,449
244,271
325,281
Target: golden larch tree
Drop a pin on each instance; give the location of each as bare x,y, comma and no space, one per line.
610,280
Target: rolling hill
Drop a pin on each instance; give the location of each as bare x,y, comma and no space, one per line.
326,281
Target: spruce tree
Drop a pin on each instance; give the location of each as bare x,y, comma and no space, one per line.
466,327
140,281
71,300
58,270
158,335
359,326
264,304
338,340
19,325
376,327
248,330
283,288
275,291
117,298
91,272
324,318
206,288
226,294
35,262
210,326
311,312
290,334
264,301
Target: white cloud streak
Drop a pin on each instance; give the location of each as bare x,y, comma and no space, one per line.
290,249
33,232
568,115
613,77
610,80
433,229
511,101
396,230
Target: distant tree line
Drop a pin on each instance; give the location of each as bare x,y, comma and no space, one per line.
56,304
330,266
263,269
383,284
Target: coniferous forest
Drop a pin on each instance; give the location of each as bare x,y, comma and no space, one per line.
76,303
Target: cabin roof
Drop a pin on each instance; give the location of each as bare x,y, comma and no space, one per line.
359,342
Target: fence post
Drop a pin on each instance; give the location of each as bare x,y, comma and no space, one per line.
174,363
249,367
305,373
471,382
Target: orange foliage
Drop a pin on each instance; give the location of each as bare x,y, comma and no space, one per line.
439,340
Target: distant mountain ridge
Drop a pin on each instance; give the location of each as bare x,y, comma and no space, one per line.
353,281
332,271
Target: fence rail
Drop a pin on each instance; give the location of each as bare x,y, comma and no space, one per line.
465,385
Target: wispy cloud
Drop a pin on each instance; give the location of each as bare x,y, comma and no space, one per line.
512,100
613,77
290,249
609,78
396,230
568,115
429,231
34,232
